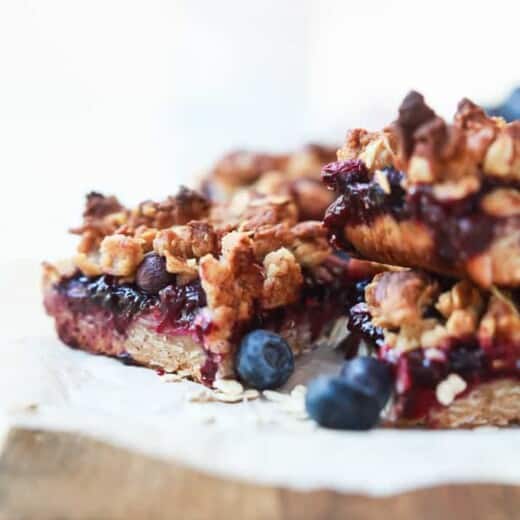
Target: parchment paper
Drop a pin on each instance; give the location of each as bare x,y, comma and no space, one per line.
44,384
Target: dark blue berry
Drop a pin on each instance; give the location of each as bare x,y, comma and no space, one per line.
510,109
152,275
335,403
264,360
371,376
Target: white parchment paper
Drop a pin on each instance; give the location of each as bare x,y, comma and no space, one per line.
44,384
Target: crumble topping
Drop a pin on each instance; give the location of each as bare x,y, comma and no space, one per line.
241,174
231,283
401,303
99,206
182,246
105,216
501,321
502,203
283,279
187,205
120,255
242,167
268,211
399,298
429,150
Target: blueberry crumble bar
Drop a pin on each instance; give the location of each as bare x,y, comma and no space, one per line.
454,348
426,194
435,337
240,173
176,285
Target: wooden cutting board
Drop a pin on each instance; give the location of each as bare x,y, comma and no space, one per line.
55,475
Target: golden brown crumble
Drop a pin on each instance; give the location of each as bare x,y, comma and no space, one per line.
182,246
105,216
399,298
244,167
187,205
297,175
99,206
268,211
231,283
500,322
397,302
429,150
120,255
283,279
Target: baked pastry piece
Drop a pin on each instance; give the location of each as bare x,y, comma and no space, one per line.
426,194
455,348
174,285
297,174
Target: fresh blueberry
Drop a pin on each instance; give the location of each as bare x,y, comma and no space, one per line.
335,403
152,275
509,109
264,360
371,376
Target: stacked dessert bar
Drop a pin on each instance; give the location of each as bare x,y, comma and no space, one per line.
413,238
441,203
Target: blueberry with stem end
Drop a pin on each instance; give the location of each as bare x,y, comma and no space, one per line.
264,360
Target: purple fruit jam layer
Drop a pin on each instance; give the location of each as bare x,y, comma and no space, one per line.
174,306
460,228
112,306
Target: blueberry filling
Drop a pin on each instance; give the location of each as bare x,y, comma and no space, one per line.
123,301
459,227
360,325
180,303
177,305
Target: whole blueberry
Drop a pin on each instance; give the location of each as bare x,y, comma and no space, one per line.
334,403
264,360
152,275
509,109
371,376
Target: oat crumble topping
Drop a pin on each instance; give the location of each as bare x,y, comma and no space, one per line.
432,151
398,301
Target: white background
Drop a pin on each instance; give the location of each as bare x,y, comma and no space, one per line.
135,97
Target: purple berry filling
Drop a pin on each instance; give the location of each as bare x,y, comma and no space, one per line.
176,304
459,227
